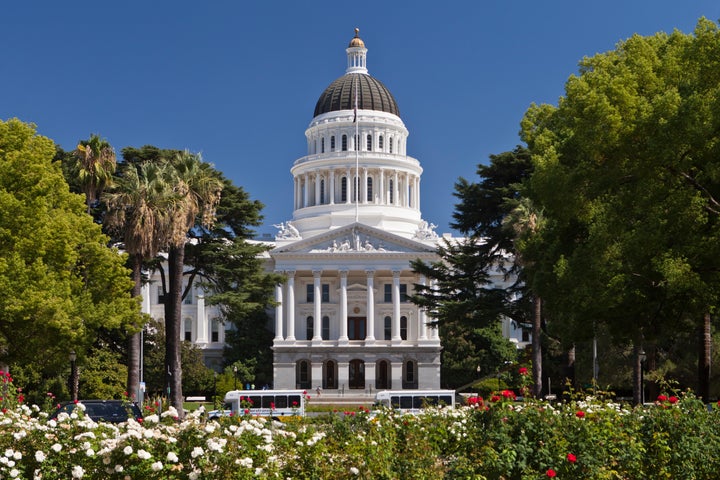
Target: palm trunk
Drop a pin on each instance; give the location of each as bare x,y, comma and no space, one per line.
133,379
537,348
704,358
173,311
638,374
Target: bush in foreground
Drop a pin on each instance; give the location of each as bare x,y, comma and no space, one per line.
496,439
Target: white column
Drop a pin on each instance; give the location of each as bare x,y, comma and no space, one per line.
383,194
317,188
422,327
331,192
396,187
317,298
279,312
364,185
290,306
370,306
348,184
343,306
306,190
406,189
396,306
202,320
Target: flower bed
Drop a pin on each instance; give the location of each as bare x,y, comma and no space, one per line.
675,438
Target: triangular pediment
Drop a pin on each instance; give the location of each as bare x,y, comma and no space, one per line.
354,239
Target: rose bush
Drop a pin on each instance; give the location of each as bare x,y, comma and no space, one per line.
496,439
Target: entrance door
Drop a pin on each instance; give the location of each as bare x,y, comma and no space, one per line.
356,374
356,328
383,375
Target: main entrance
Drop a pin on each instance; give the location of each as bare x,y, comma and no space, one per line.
356,374
357,328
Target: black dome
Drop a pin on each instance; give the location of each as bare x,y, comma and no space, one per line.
372,95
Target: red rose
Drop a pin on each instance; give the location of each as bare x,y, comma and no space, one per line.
571,458
551,473
661,398
522,371
673,399
580,414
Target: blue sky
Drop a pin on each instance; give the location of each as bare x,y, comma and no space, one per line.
238,80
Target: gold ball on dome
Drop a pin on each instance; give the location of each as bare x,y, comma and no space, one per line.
356,41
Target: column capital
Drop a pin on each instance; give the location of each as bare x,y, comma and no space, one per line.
396,273
343,272
370,272
317,272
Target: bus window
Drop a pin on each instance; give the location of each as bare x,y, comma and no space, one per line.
281,401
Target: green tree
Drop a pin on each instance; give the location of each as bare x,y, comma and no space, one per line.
137,214
60,284
626,172
95,163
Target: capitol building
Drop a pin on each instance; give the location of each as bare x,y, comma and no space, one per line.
343,321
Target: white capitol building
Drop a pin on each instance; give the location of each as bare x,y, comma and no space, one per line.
343,322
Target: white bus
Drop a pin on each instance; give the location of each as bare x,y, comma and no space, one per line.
264,403
413,401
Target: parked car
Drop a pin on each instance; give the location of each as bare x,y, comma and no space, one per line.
112,411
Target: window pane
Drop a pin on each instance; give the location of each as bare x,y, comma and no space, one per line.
310,293
325,293
388,293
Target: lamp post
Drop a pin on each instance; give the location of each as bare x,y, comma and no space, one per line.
642,356
74,377
235,376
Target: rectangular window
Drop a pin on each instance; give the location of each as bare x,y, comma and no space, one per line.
403,293
310,297
325,293
215,332
332,143
325,333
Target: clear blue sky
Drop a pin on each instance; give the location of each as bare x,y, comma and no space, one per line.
238,80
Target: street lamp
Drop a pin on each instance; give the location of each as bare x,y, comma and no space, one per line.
642,356
235,376
74,377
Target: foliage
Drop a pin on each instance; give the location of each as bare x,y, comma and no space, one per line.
60,284
198,379
626,174
588,437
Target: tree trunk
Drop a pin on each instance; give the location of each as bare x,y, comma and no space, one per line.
705,358
173,318
570,367
537,348
133,354
637,374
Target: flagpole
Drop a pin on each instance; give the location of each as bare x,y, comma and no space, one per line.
357,156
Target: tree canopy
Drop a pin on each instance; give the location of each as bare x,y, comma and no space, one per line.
60,283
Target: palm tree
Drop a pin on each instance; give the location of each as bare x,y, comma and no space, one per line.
197,188
138,210
95,165
524,220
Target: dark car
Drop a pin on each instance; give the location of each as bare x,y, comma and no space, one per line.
113,411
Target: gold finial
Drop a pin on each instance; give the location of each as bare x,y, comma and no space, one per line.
357,41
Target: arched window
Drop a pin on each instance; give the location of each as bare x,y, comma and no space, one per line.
332,143
410,371
388,328
344,143
325,328
392,191
390,144
322,145
403,328
310,328
343,189
380,143
369,143
369,189
322,191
